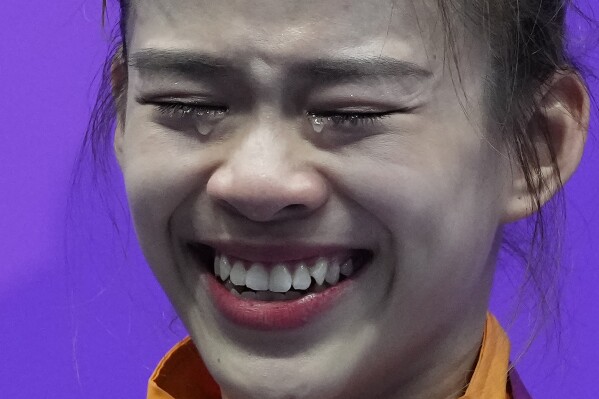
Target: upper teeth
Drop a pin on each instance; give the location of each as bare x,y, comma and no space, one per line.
283,276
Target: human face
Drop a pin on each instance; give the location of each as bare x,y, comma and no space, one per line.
281,132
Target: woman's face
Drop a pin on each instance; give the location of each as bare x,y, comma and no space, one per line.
290,138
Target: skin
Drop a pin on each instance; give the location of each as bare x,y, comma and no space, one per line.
426,189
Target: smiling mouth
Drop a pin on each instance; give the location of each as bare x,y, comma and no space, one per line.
276,280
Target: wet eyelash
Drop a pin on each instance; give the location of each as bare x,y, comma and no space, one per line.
347,120
354,119
189,110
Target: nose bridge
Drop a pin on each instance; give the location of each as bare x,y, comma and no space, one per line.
266,175
264,150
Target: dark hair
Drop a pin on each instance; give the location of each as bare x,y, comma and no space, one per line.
527,45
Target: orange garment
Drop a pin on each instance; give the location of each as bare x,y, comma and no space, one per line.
182,375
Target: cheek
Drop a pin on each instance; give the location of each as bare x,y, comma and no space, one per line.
438,199
419,178
161,169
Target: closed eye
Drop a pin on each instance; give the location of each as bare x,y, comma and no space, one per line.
189,116
350,119
189,110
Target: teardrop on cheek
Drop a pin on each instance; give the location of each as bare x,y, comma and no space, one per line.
317,123
205,129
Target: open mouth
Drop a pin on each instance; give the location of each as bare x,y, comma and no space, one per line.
289,280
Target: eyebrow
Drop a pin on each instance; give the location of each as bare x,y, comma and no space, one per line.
193,65
183,63
347,69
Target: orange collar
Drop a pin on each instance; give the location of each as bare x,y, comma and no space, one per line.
181,374
490,377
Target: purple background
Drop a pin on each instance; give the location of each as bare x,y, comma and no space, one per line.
93,323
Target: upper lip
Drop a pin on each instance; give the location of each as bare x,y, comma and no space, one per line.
276,252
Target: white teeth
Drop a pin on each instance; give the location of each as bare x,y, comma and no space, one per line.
257,278
332,276
319,270
225,268
347,269
217,265
280,279
238,274
234,292
264,282
301,277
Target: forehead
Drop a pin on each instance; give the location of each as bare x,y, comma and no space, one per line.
273,29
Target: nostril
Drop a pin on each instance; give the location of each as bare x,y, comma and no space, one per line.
295,208
227,205
291,211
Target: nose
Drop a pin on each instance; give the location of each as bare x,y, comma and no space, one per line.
265,179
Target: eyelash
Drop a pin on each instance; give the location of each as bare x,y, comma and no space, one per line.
343,119
189,110
319,120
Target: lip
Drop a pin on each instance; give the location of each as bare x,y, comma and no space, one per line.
270,316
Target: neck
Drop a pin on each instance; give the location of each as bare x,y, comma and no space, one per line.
448,378
446,372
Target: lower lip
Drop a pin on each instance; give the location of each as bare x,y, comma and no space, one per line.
275,315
